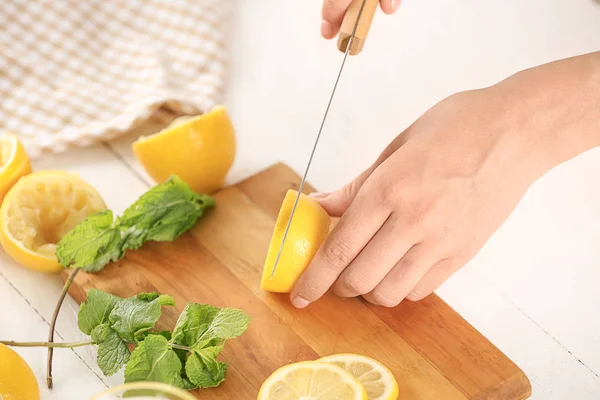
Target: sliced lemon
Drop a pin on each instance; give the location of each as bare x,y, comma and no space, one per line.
311,380
378,381
310,227
39,211
200,150
14,162
16,377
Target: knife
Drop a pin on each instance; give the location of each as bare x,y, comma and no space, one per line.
351,40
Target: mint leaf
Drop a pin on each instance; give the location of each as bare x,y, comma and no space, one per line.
131,317
92,244
95,310
193,321
163,213
152,360
201,375
112,350
229,323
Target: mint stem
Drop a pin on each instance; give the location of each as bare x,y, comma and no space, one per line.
65,289
47,344
176,346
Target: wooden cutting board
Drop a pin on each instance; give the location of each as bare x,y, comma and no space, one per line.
431,350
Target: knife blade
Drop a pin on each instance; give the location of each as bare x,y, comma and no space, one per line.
353,32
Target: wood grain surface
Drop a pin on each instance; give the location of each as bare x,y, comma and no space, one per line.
432,351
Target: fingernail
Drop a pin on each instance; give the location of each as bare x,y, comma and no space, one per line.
319,195
395,4
300,302
326,29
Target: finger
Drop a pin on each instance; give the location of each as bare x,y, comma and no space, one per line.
434,278
403,278
390,6
357,226
333,14
374,262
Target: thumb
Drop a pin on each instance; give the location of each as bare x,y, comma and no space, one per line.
336,203
333,14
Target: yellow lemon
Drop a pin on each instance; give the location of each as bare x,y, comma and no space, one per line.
14,162
311,380
309,228
39,211
200,150
378,381
17,381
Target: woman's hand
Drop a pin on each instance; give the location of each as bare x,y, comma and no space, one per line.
334,11
445,185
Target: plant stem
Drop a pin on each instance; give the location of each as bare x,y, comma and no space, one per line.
47,344
65,289
177,346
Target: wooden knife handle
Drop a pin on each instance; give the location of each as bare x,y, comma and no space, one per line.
362,29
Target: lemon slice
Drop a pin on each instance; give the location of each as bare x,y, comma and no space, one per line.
14,162
17,380
309,229
377,380
39,211
200,150
311,380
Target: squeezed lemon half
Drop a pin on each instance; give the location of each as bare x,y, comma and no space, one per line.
39,210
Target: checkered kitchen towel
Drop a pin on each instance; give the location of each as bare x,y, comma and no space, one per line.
75,72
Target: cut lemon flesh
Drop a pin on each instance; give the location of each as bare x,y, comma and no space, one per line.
309,228
14,162
378,381
200,150
311,380
39,211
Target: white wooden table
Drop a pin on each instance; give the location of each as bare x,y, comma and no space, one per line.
533,289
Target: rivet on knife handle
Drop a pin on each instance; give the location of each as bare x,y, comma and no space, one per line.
362,29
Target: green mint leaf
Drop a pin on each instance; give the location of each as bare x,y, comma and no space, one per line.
193,322
163,213
229,323
199,373
147,296
165,334
113,353
95,310
132,317
153,360
92,244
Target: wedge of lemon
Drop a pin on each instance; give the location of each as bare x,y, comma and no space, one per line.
14,162
378,381
311,380
16,377
39,210
309,229
200,150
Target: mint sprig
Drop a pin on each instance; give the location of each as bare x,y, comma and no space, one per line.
162,214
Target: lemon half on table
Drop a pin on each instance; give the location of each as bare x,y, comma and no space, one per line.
200,150
17,380
309,228
311,380
14,162
39,210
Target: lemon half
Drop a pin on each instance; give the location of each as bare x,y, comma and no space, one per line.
311,380
200,150
39,211
378,381
17,380
309,228
14,162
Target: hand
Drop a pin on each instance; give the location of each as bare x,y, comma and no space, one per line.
334,11
445,185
